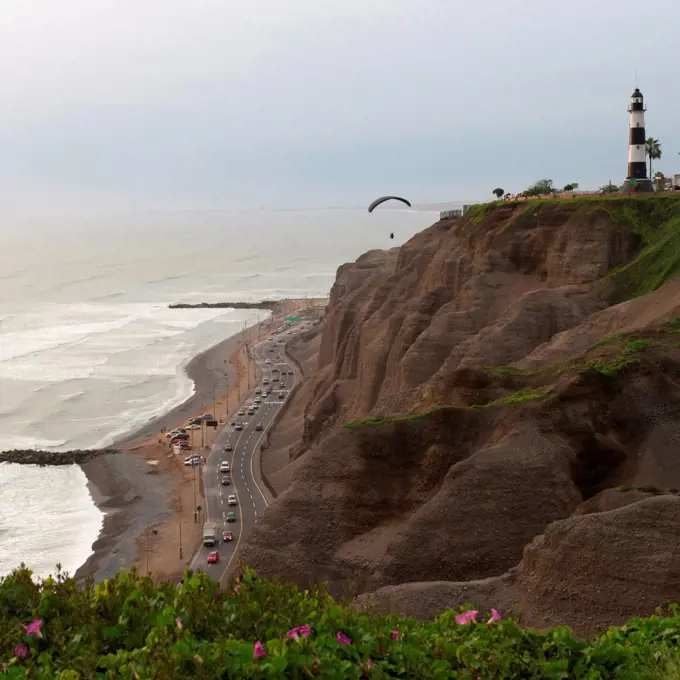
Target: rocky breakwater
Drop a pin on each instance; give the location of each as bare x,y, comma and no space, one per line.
271,305
42,458
494,420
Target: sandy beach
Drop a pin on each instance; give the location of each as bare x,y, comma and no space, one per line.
151,521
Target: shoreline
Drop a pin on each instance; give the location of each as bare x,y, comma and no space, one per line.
145,514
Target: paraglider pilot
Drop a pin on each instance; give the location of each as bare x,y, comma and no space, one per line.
391,234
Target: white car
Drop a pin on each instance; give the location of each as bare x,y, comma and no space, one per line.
232,500
241,412
268,361
224,466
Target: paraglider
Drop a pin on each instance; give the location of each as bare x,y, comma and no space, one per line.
391,234
382,199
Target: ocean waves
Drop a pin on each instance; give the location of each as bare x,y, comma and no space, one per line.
89,349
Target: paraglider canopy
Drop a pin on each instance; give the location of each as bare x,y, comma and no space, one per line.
382,199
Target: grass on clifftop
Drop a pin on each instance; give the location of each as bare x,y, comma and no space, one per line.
128,628
654,218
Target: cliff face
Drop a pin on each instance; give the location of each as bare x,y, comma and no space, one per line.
496,323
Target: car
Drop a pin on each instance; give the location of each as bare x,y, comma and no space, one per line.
227,536
258,426
258,391
238,426
231,517
265,381
228,447
290,372
233,423
213,557
281,395
275,370
193,426
226,481
251,411
232,500
241,412
224,466
257,400
207,416
193,462
275,378
268,361
181,435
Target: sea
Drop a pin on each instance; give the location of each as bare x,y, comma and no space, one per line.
90,350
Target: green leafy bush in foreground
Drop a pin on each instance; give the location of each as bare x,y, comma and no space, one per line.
128,628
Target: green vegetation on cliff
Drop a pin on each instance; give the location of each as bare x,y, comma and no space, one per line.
655,219
128,628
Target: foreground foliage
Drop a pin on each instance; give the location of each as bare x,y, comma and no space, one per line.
128,628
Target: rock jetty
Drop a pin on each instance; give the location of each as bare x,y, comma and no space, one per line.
264,304
42,458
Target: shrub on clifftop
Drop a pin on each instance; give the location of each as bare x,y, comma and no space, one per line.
128,628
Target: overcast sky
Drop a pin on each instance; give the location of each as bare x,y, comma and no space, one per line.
186,104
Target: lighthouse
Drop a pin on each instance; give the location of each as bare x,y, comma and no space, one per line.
637,163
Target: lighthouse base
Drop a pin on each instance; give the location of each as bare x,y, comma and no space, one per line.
643,186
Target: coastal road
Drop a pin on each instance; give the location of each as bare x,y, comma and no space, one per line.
252,499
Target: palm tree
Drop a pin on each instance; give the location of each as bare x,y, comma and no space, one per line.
653,148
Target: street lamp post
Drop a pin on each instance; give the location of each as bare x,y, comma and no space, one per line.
195,518
179,514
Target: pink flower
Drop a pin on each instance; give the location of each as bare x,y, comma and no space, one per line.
198,659
470,616
33,628
258,652
21,651
395,634
342,638
178,622
495,616
237,586
300,630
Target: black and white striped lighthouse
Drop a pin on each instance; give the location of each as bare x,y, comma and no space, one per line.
637,160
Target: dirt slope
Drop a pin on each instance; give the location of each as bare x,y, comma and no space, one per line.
512,427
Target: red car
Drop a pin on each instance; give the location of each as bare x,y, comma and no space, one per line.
213,557
227,536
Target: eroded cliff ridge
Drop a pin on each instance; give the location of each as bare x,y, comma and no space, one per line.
495,419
